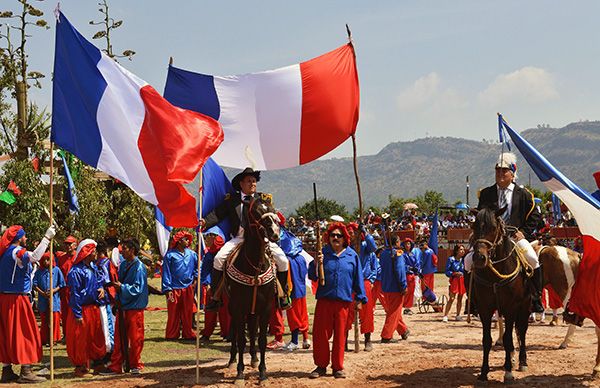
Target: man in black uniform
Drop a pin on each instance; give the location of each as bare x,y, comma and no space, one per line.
234,209
521,213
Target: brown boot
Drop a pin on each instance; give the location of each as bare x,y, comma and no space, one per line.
28,377
8,376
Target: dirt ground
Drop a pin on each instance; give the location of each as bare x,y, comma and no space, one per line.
436,354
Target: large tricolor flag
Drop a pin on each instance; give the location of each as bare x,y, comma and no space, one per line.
117,123
585,298
163,231
279,118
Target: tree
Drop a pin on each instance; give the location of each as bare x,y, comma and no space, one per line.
327,208
109,24
429,201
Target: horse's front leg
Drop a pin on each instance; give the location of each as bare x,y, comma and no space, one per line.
568,337
486,322
262,344
241,344
252,336
509,349
233,329
522,325
596,371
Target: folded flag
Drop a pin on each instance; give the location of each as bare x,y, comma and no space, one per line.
280,118
556,212
114,121
12,186
8,197
163,231
433,235
73,201
215,187
585,297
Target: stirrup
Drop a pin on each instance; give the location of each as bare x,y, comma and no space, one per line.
285,303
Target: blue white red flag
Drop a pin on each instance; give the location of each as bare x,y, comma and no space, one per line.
585,298
73,201
433,236
556,212
117,123
163,231
215,187
279,118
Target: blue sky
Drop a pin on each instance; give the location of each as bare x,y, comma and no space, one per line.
426,68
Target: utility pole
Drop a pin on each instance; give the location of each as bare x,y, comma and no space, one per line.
467,190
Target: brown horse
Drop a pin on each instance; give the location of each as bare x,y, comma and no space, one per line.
251,279
500,283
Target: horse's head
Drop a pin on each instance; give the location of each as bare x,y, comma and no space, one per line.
263,219
488,231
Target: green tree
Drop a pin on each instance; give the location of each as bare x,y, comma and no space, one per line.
429,201
327,208
108,25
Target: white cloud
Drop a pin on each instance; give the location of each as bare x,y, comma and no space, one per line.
429,94
526,85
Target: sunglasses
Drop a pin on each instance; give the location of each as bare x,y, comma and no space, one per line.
336,235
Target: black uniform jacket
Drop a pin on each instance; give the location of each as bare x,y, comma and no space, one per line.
231,208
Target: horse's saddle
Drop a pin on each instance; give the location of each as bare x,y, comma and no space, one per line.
246,279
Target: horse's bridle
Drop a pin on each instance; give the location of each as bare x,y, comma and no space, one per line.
255,223
500,233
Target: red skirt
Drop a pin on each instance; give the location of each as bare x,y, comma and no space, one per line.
19,335
85,340
457,285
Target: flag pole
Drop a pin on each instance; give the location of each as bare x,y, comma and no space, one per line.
51,266
198,285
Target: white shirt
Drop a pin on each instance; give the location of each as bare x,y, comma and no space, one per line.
508,194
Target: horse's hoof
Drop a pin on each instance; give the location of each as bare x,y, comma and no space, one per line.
563,346
498,343
231,365
262,377
481,381
522,368
254,364
508,378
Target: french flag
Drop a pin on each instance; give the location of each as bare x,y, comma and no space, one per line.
279,118
585,297
163,231
117,123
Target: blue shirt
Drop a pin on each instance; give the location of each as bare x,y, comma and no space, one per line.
103,278
292,246
454,265
134,285
179,269
368,260
83,287
41,280
427,266
22,279
411,263
393,271
343,275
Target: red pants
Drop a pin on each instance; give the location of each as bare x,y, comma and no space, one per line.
393,315
19,334
180,313
297,316
330,319
409,297
552,300
276,326
367,319
210,317
85,340
427,280
64,308
135,337
377,293
45,327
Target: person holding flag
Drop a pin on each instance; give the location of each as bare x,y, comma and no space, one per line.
20,339
179,277
41,284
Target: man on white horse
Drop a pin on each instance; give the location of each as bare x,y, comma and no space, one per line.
520,213
234,208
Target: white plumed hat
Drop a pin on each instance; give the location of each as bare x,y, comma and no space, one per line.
507,160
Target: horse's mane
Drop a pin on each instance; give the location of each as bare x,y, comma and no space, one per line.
485,222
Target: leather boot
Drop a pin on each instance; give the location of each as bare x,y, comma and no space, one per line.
28,377
215,280
284,302
8,375
537,281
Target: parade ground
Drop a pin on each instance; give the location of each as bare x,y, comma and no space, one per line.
436,354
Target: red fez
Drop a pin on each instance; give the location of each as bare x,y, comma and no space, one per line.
9,236
180,235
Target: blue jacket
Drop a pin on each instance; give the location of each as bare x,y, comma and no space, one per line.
393,271
292,246
179,269
454,265
368,260
83,287
103,278
411,263
22,280
134,285
41,279
427,266
343,275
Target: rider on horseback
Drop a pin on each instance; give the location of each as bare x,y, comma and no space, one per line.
235,208
521,213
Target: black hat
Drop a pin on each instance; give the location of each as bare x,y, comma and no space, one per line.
235,182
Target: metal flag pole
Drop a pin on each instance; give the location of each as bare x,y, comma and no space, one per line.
51,266
198,285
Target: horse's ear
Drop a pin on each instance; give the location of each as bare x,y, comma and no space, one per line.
499,212
267,198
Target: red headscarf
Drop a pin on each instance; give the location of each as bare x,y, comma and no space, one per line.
44,257
337,225
70,240
84,249
9,236
178,236
218,242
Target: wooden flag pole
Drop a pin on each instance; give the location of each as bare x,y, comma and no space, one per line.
199,286
51,266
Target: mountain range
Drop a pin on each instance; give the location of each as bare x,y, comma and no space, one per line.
407,169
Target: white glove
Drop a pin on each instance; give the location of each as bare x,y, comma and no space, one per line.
50,232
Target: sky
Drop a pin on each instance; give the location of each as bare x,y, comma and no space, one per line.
426,68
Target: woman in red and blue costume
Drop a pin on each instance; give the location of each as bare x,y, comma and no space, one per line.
19,336
413,269
343,277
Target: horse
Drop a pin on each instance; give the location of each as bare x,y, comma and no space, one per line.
251,283
499,283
